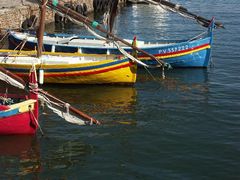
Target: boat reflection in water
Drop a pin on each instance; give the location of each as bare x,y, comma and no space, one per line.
102,102
22,150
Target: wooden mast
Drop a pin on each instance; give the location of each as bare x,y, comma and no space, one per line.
112,15
41,27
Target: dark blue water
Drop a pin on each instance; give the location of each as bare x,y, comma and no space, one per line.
184,127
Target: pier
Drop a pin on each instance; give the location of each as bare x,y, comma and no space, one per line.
13,13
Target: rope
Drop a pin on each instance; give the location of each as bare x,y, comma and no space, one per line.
45,3
199,35
133,58
106,18
163,74
5,35
150,73
67,12
36,121
5,100
23,44
85,20
18,45
34,21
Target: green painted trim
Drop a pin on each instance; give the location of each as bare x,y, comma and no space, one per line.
95,24
55,2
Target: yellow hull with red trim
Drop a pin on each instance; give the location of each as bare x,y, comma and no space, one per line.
89,72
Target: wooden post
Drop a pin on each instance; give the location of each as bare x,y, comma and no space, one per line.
41,27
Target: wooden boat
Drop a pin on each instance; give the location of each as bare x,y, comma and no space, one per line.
68,68
20,115
71,69
195,52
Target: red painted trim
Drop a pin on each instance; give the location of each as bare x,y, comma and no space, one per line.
89,73
81,73
3,107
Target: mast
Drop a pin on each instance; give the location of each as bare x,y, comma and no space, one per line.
41,27
113,14
33,92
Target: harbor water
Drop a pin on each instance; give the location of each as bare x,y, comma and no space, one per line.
186,126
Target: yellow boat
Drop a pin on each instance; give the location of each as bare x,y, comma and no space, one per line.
74,69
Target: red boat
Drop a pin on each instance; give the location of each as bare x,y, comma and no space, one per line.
20,114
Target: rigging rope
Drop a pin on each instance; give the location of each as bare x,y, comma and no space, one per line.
5,35
36,121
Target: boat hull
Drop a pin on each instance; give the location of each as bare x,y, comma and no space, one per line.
184,53
101,72
19,118
21,123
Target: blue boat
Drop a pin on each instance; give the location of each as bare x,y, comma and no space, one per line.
195,52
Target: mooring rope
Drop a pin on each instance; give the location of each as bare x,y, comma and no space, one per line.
5,35
199,35
36,121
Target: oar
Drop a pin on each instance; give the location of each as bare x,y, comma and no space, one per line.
205,22
57,6
13,76
73,109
